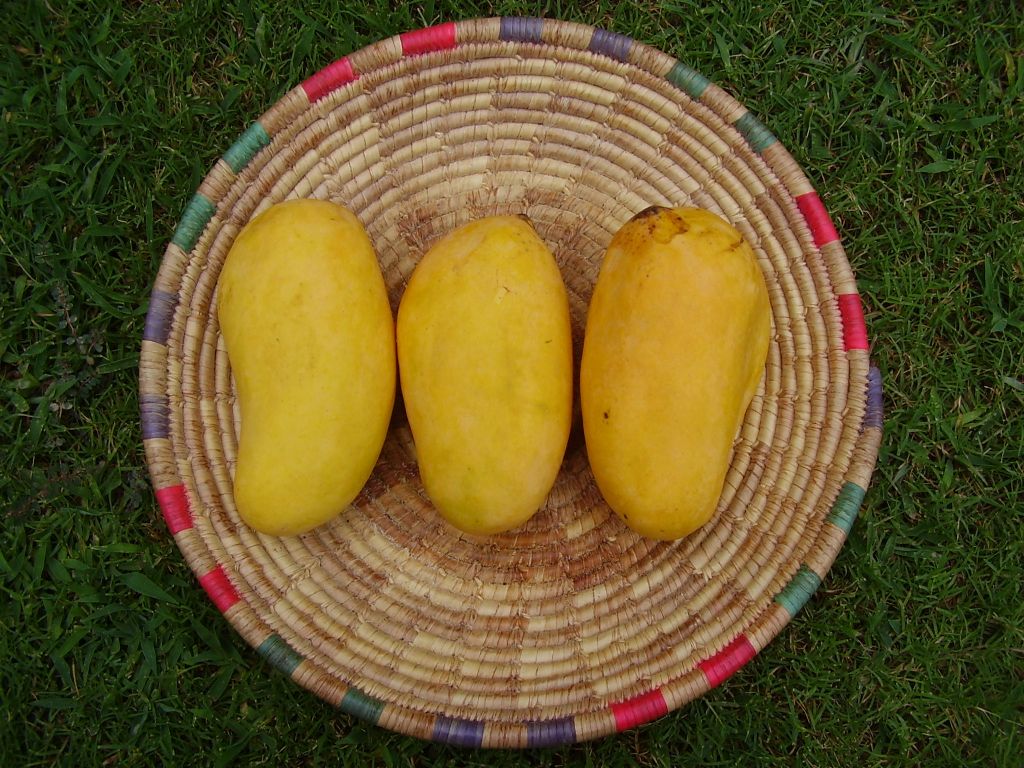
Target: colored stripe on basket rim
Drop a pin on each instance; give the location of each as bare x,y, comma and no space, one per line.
193,221
687,79
755,132
437,38
458,731
155,412
275,649
723,664
175,508
551,733
521,29
855,330
246,146
160,316
874,415
361,705
611,44
798,591
219,588
638,710
846,507
329,79
818,221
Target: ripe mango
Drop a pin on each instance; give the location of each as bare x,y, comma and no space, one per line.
675,345
485,364
309,334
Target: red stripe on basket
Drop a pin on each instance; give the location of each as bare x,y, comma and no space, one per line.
818,220
728,660
855,331
174,505
219,588
639,709
436,38
328,79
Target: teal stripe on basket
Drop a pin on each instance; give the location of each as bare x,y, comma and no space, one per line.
248,144
277,651
358,704
753,130
799,590
688,79
193,221
847,505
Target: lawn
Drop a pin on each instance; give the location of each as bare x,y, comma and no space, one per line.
907,118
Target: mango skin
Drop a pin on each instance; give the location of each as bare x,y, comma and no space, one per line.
309,333
675,345
485,363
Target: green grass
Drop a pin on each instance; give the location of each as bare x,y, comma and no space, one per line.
909,121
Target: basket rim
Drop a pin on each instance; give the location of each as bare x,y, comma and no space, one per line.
176,499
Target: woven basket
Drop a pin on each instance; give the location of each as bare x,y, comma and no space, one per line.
572,627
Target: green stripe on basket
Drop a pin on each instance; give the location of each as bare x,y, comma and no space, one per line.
758,137
193,221
358,704
248,144
688,79
847,505
277,651
798,591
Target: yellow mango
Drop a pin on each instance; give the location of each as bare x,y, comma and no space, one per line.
309,334
675,345
485,364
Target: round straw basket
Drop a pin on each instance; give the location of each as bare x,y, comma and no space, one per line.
571,627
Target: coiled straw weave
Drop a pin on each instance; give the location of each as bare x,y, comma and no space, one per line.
572,627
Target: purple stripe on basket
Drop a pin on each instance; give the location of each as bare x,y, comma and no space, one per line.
160,315
874,414
155,413
551,733
455,730
523,29
611,44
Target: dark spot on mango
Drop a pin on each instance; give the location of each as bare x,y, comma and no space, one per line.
605,414
652,210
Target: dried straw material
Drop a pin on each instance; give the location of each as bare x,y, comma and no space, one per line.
572,627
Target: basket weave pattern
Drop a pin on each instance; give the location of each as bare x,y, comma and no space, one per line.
572,627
